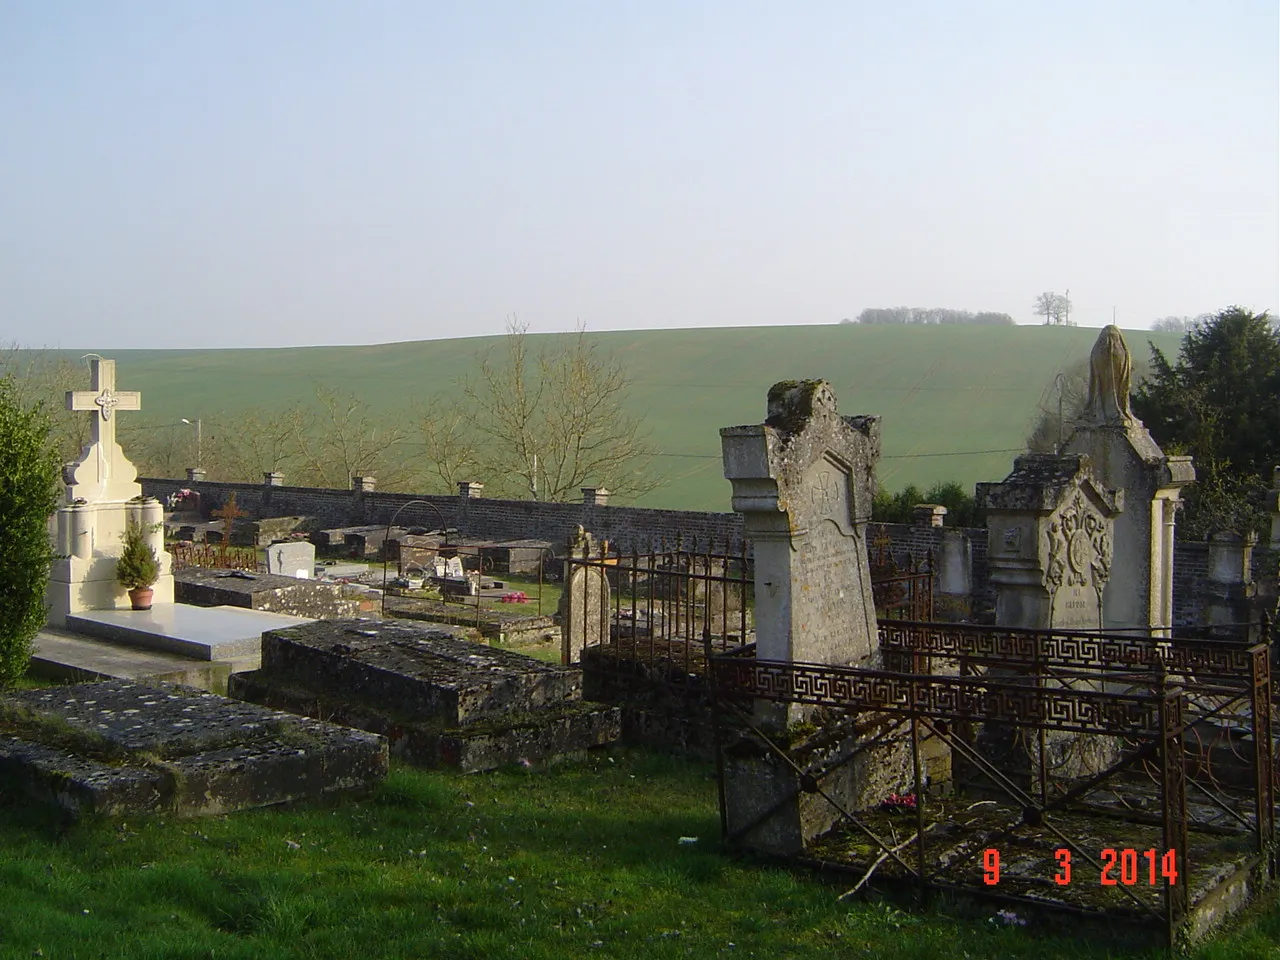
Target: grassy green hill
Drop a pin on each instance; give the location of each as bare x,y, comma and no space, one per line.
956,402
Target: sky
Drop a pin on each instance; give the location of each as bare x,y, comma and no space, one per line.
234,174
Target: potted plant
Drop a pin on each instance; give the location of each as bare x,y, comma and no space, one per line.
137,569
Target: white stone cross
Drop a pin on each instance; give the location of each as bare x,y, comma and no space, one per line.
102,401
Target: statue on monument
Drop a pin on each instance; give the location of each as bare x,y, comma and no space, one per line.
1110,372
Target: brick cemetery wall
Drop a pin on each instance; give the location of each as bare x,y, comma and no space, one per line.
632,528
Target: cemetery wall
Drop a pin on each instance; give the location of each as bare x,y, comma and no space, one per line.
633,528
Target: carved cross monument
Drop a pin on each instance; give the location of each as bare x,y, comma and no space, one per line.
105,469
103,499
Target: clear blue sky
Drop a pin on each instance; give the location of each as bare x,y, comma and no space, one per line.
180,174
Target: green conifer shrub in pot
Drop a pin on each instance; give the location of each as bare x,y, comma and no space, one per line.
137,569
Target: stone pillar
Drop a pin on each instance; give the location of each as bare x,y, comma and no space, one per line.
273,479
196,474
1231,588
470,489
1125,457
803,482
928,514
584,611
595,497
364,484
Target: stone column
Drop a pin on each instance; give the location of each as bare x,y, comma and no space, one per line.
595,497
470,489
196,474
1231,588
928,514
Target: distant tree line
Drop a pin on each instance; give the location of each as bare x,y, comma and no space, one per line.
962,508
928,315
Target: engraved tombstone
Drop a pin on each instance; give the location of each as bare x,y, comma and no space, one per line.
1050,535
803,482
584,612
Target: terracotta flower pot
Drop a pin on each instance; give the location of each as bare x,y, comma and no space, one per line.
140,598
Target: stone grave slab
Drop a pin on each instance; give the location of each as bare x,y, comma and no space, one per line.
120,747
442,701
273,593
202,633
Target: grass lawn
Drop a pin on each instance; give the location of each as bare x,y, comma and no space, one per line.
582,860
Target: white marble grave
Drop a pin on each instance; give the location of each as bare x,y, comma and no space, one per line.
102,498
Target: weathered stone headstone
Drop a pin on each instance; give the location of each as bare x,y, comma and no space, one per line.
803,482
292,558
1125,457
1231,591
584,611
1050,543
103,497
955,576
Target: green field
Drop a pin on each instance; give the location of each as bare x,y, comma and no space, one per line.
956,402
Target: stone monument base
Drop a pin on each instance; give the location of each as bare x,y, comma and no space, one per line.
440,700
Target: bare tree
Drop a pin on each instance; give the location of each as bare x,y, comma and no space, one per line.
345,440
1054,307
244,446
449,443
549,423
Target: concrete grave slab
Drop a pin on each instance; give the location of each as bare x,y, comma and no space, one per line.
120,747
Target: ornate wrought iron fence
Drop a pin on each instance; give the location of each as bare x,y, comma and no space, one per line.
1120,690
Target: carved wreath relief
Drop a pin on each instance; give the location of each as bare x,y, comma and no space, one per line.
1079,549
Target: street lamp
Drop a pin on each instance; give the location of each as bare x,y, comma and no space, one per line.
195,423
